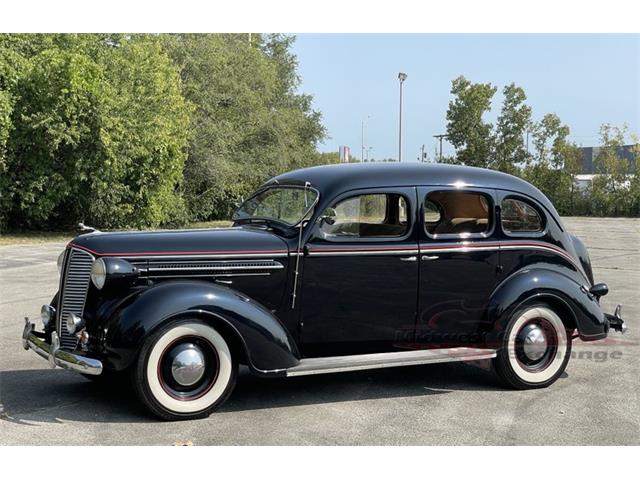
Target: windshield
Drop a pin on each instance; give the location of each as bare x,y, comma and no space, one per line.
286,205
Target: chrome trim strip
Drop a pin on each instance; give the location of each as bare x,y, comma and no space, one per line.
212,256
314,366
502,245
273,266
212,275
463,249
328,253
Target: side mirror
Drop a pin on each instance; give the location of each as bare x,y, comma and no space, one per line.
328,217
599,290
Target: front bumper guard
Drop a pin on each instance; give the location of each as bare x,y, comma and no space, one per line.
55,356
615,321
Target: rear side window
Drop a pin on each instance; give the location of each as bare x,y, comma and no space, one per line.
520,217
371,215
453,212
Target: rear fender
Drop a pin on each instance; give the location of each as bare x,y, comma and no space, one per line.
264,343
576,307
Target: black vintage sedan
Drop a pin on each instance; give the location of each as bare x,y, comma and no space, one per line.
329,269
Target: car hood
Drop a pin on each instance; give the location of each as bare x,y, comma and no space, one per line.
224,242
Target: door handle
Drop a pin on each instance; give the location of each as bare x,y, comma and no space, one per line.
430,257
408,259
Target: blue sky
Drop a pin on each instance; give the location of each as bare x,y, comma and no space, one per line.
585,79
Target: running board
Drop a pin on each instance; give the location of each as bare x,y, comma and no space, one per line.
314,366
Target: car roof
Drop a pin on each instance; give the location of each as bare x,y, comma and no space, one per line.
331,180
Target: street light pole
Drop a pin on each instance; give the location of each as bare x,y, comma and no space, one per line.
402,77
362,142
362,138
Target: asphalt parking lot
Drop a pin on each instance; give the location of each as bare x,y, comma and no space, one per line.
594,403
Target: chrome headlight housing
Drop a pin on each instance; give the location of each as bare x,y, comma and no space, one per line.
98,273
112,271
47,313
73,323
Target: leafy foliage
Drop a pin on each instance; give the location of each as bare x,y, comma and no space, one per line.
143,130
513,122
249,122
466,129
553,164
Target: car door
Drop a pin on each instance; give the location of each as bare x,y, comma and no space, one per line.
459,258
360,276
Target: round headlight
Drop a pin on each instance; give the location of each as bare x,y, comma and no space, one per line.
98,273
61,260
46,314
73,323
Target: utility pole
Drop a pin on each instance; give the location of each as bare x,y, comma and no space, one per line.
369,153
402,77
439,138
422,154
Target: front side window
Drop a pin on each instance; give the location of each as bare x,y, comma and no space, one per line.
371,215
286,205
520,217
452,212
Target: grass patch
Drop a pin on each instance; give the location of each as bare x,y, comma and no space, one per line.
19,238
211,224
36,237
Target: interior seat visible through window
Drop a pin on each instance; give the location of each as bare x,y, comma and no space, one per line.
459,213
370,215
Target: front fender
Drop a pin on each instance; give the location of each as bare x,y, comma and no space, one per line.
551,286
268,346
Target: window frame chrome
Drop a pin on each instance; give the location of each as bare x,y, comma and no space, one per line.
317,234
490,193
533,204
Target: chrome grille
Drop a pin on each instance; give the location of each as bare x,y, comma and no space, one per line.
74,285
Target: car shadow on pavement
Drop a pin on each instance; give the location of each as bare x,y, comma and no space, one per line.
254,393
56,396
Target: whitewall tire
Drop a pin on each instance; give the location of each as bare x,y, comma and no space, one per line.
535,349
184,371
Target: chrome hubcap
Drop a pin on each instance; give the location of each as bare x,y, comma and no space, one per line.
188,365
534,344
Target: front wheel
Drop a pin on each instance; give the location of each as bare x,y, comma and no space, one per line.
535,349
184,371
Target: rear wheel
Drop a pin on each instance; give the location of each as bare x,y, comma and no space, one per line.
535,349
184,371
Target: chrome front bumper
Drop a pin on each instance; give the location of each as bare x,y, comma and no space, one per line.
55,356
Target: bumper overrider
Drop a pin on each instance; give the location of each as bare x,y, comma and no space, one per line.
615,321
56,357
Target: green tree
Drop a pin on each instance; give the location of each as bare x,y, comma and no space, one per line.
549,138
514,119
55,130
249,121
611,189
327,158
144,134
574,201
546,166
467,131
98,131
